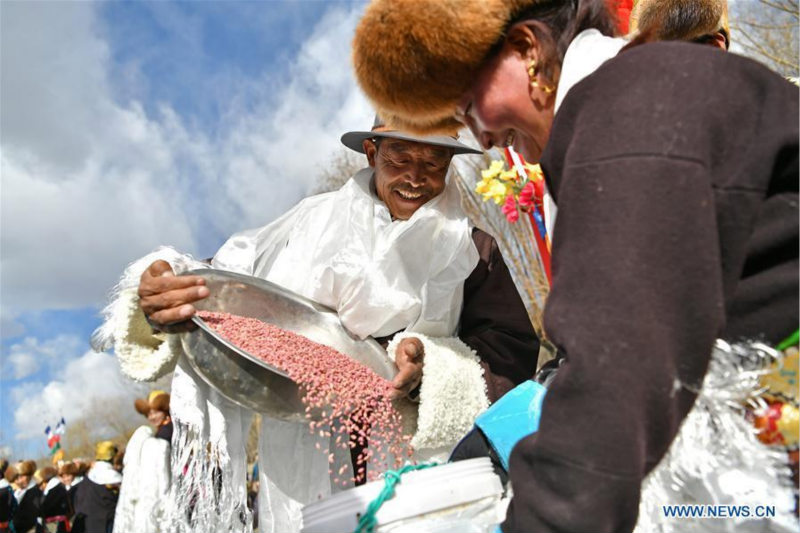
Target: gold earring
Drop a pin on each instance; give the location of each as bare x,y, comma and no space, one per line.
547,89
532,69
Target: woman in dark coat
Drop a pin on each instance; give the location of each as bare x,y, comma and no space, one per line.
96,496
675,171
55,509
70,476
28,496
7,502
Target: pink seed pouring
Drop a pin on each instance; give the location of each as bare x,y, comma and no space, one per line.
353,399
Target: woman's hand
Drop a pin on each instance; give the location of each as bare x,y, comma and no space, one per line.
166,298
408,357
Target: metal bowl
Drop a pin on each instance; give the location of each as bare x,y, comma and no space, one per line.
244,378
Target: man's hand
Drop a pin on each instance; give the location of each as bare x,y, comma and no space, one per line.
408,357
166,298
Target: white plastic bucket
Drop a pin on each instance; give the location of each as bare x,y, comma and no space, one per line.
443,498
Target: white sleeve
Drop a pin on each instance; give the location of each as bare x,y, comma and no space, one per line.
143,355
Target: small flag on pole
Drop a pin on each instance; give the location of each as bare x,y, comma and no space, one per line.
54,437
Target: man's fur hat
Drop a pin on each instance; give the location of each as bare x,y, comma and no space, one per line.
46,473
82,467
10,474
680,20
68,469
25,468
157,399
416,58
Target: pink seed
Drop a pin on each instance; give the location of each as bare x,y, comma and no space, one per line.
352,398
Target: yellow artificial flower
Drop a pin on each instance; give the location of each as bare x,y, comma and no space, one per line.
497,191
509,175
495,168
534,171
492,189
483,186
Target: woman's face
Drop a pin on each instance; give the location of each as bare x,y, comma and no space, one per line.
157,418
67,479
22,481
501,109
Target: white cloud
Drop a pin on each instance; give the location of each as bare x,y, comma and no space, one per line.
20,365
9,327
91,380
29,355
25,390
91,182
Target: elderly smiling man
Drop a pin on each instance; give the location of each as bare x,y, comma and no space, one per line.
394,254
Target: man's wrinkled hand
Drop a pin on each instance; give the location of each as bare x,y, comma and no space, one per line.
408,357
166,299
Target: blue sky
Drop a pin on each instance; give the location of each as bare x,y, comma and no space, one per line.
127,125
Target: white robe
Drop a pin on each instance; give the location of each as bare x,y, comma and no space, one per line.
145,484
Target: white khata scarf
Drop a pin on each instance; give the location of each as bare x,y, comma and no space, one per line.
340,249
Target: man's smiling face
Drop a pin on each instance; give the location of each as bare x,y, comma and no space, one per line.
407,174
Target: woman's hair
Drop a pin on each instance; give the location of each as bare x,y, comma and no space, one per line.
563,20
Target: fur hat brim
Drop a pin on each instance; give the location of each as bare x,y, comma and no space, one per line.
46,473
26,468
415,59
10,474
68,469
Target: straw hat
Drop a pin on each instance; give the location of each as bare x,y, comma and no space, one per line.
157,399
105,451
415,58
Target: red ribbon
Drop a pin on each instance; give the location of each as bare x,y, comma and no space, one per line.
59,518
539,230
622,9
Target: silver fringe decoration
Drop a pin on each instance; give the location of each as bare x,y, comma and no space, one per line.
717,459
200,498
